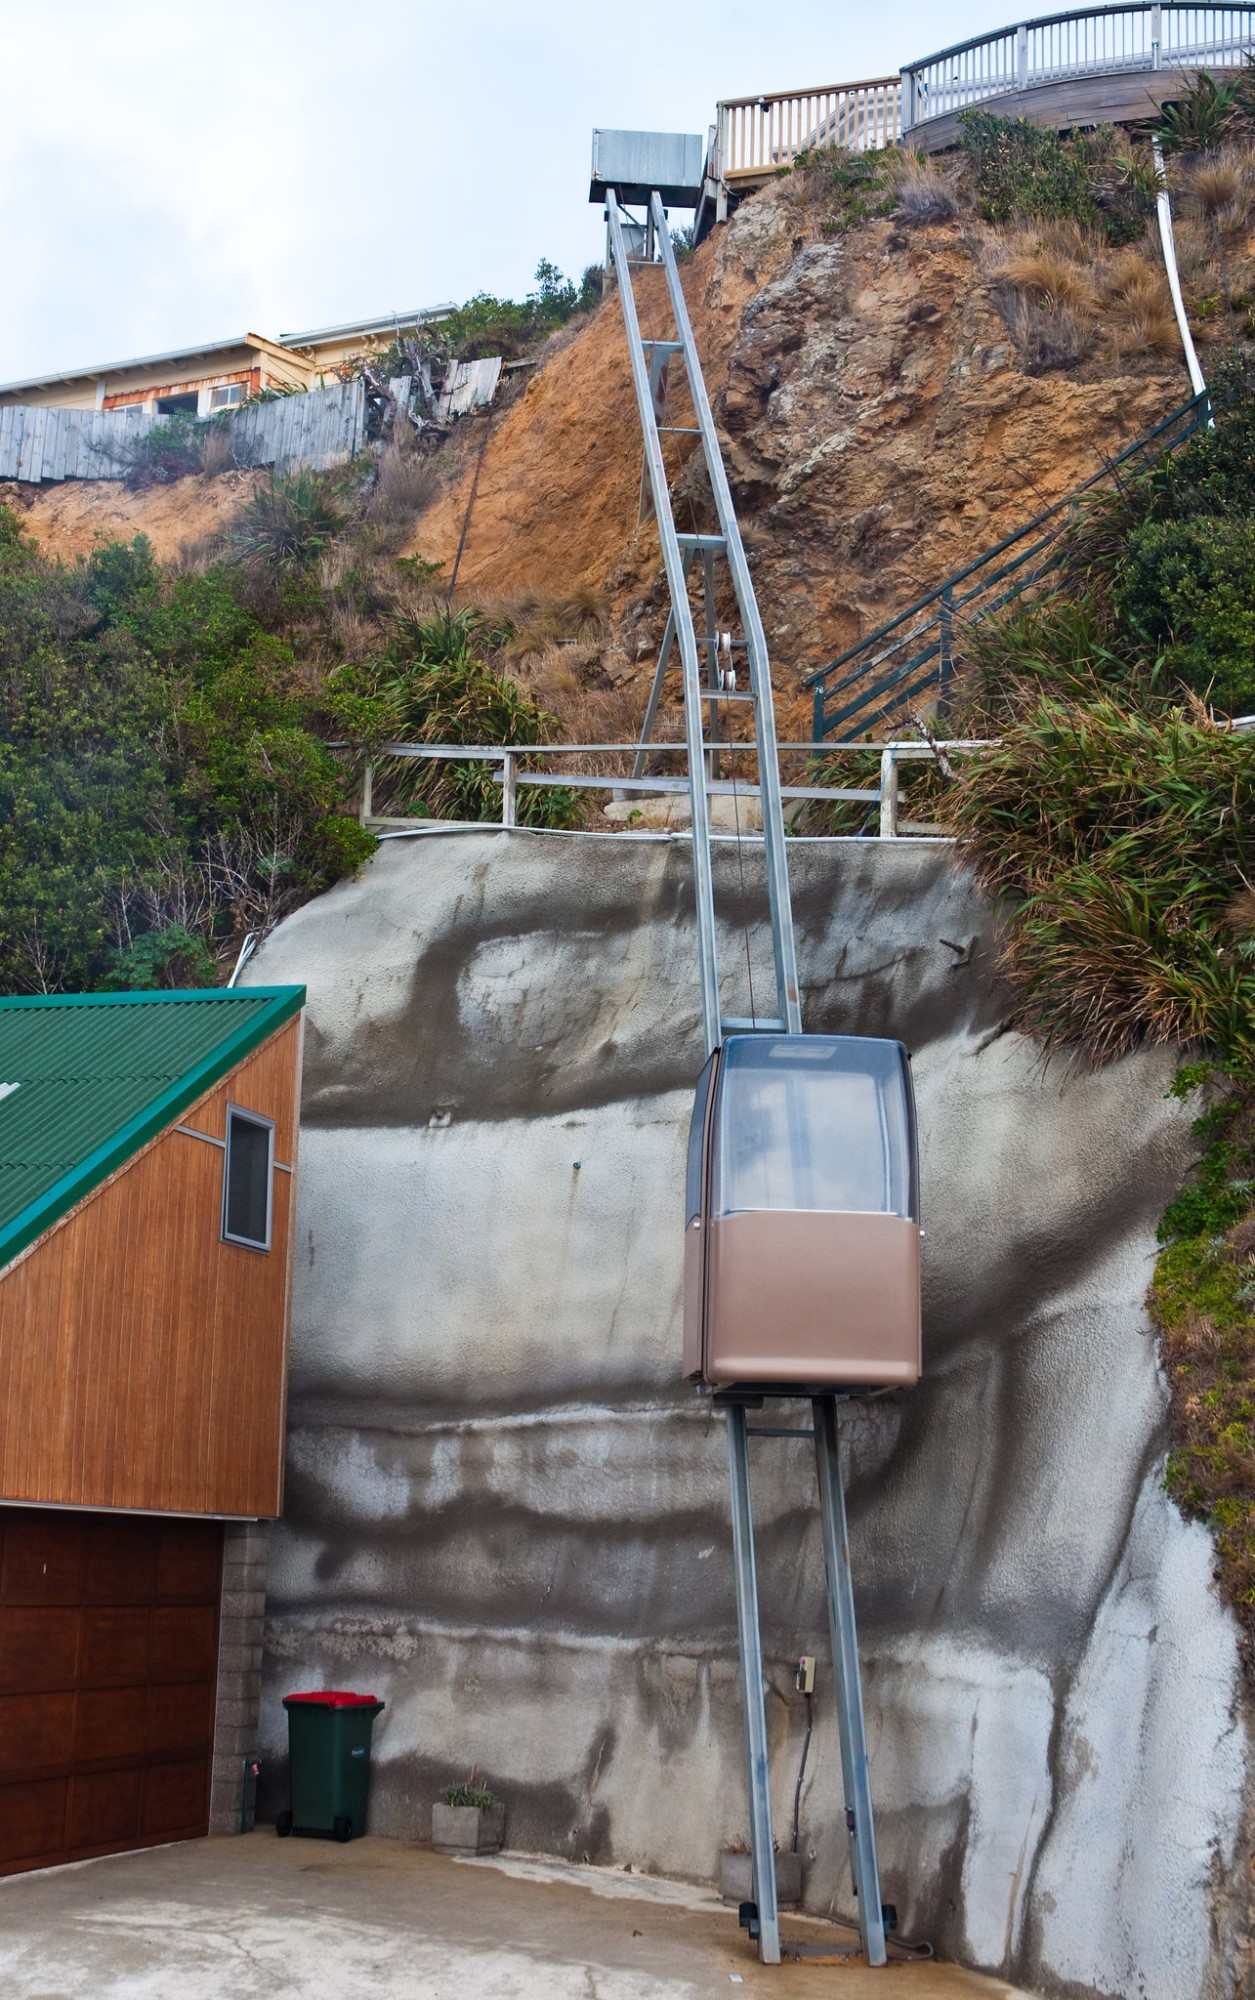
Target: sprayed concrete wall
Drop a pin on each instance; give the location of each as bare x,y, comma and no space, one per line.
507,1517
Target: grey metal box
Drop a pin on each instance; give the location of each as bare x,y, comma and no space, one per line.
635,163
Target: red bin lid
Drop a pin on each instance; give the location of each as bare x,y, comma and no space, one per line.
335,1698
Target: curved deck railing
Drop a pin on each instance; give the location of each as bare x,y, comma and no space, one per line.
1056,48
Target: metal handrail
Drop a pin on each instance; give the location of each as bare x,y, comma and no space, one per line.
929,624
1073,14
884,796
1144,35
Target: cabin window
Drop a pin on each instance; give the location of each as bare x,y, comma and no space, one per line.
227,394
169,406
246,1179
814,1122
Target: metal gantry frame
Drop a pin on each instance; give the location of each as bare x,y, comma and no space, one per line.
630,247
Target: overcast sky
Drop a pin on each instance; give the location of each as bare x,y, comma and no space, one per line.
172,172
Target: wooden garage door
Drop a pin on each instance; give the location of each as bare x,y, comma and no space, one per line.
108,1657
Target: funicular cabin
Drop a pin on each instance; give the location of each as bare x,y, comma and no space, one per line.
147,1161
802,1215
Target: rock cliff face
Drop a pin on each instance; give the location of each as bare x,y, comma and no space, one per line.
880,432
508,1518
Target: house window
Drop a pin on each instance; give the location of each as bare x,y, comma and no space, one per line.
227,395
168,406
246,1179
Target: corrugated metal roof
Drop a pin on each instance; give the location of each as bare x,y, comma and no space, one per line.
98,1075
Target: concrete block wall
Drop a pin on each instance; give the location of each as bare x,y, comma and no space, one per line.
242,1616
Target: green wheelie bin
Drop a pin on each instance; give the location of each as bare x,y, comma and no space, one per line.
328,1763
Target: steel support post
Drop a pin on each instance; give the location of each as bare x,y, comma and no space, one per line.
857,1782
762,1846
775,842
677,585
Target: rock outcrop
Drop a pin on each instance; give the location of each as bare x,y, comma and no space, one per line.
507,1517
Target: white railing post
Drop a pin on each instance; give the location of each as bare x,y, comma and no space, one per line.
888,795
1156,35
1021,56
368,786
509,790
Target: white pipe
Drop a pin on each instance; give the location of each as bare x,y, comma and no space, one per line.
1163,208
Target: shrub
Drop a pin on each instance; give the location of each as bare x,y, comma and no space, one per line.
924,195
1122,839
1025,173
173,449
1202,118
287,525
1046,336
1187,591
160,789
433,688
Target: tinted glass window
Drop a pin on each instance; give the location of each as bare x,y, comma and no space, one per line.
246,1197
814,1122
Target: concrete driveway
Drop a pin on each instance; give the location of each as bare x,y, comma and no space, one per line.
262,1919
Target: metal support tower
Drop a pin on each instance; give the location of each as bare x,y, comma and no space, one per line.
650,362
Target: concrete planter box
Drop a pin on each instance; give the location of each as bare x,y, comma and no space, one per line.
467,1830
736,1881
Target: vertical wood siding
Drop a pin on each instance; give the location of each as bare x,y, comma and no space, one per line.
142,1359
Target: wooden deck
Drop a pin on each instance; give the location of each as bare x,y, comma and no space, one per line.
1078,101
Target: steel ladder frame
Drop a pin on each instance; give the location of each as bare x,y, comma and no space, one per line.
650,360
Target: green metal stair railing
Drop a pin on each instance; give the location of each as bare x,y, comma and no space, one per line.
915,654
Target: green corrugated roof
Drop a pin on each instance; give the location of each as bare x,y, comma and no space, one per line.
100,1074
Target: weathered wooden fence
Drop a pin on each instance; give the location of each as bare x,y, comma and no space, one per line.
320,428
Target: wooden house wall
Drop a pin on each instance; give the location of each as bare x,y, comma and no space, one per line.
142,1359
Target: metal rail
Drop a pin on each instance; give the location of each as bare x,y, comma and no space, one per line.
507,766
651,364
916,654
1055,48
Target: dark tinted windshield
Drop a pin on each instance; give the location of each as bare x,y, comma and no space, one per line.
814,1122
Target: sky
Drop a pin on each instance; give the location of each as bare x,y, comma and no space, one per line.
172,172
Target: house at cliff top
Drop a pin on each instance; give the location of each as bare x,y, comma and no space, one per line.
218,376
147,1160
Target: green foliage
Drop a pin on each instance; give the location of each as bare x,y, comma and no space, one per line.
1203,118
173,449
1119,840
173,957
1117,825
160,788
1203,1300
1154,596
470,1794
432,687
852,187
1025,173
286,526
513,327
1187,592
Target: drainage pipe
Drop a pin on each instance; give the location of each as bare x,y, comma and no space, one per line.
1164,210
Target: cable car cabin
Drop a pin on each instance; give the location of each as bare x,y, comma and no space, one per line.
801,1248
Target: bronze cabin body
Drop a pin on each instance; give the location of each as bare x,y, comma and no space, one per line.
801,1245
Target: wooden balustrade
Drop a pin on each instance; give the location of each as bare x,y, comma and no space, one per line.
757,135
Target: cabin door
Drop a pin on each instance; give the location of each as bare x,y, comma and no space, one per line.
108,1664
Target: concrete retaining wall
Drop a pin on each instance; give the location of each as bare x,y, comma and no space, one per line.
508,1518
